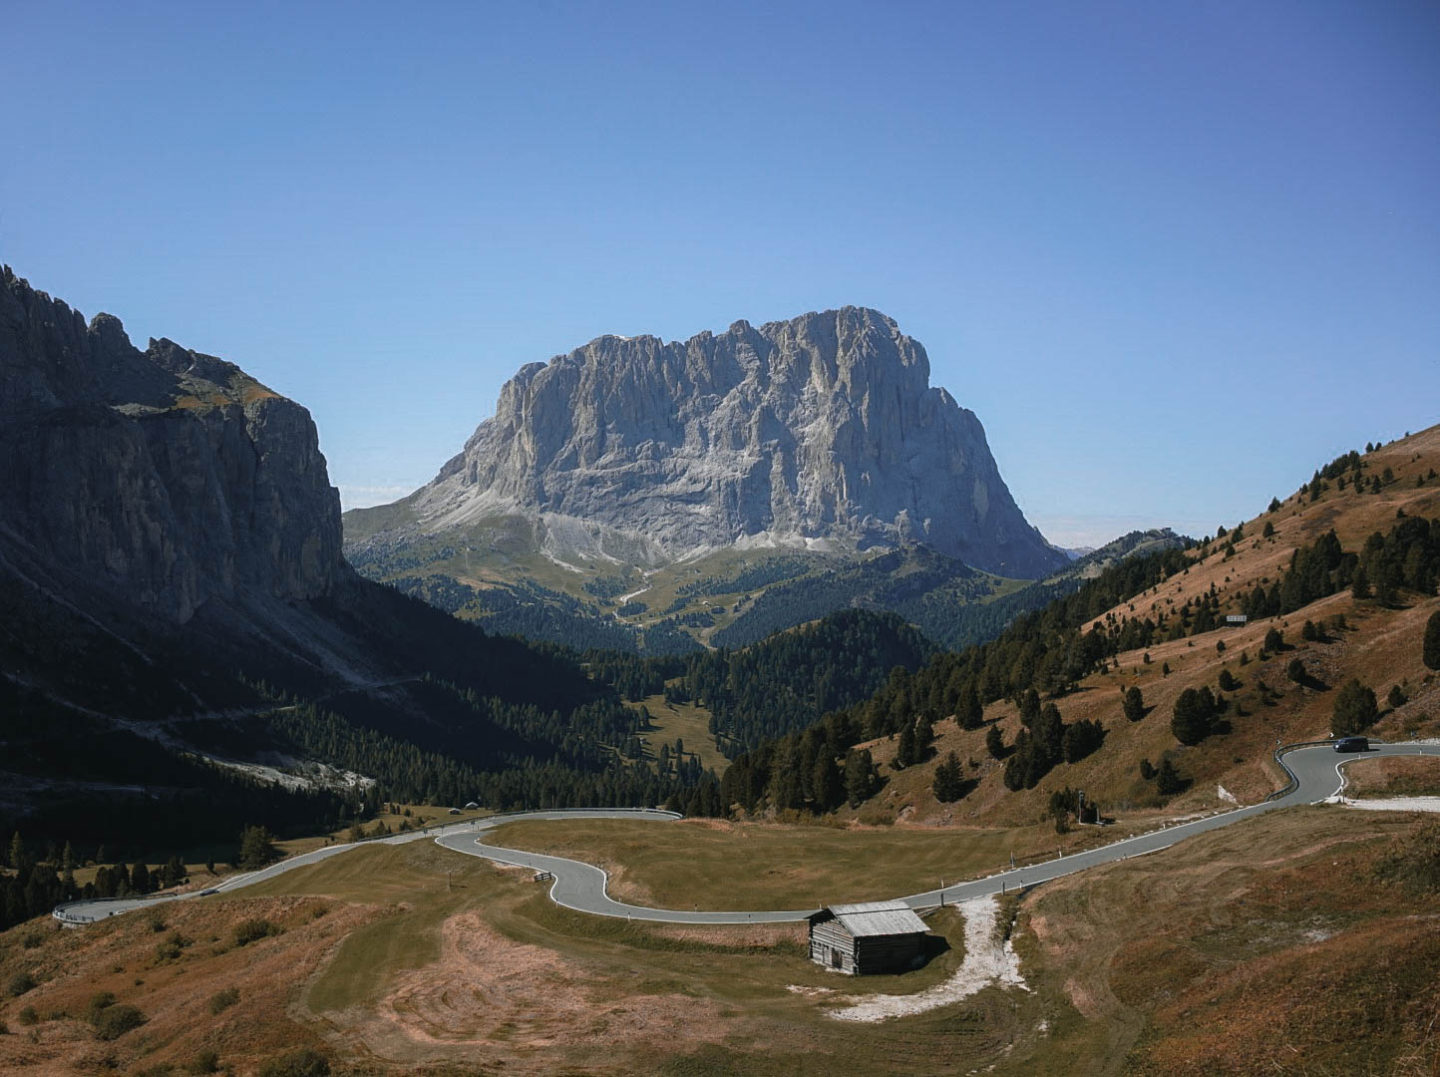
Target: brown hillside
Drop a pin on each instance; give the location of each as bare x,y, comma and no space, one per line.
1378,645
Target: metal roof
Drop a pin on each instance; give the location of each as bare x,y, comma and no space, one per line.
878,918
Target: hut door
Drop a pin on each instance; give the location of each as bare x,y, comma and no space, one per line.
834,958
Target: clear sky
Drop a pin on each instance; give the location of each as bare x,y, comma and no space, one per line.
1174,255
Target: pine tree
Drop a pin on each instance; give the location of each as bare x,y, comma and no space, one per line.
257,848
827,783
969,711
949,785
924,737
1355,710
1190,721
1134,703
1430,652
995,742
905,753
1167,779
859,777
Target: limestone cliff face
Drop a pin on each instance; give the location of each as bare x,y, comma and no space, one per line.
822,430
166,477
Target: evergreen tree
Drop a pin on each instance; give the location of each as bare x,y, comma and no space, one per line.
19,857
1134,703
924,737
905,753
1355,710
257,848
1167,779
995,742
1191,721
969,711
860,777
1029,708
1228,683
827,783
1430,652
1082,738
949,784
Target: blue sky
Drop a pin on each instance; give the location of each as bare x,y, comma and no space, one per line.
1173,255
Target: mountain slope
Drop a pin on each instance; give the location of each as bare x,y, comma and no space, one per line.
175,601
1164,634
631,458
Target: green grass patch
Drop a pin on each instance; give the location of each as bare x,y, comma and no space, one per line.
690,723
699,865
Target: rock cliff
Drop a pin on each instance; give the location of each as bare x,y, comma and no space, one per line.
164,477
822,431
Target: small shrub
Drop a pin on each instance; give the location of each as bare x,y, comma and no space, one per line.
223,1000
248,931
32,939
306,1063
204,1062
28,1016
157,922
19,984
115,1021
98,1004
4,1028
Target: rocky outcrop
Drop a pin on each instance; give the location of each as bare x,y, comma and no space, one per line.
819,431
165,477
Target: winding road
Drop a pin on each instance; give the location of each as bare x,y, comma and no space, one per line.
581,886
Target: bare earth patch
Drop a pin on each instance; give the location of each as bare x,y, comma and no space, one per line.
489,991
987,961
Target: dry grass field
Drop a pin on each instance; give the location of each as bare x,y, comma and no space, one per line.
1221,954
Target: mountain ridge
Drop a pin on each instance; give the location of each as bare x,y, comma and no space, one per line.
819,432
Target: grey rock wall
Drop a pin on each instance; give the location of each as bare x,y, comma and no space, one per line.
165,476
822,430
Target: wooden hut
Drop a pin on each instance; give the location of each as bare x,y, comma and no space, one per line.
879,936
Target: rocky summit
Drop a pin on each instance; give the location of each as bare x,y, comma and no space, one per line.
822,432
165,477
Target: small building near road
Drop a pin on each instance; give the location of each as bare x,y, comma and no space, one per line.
878,936
1236,620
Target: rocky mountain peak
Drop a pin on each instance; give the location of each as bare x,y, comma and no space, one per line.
166,476
820,431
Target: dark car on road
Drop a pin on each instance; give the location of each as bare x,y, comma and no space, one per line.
1352,744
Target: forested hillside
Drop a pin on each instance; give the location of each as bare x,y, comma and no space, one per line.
1140,664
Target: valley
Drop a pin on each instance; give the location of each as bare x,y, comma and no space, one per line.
840,711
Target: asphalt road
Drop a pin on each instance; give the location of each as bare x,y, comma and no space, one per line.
582,886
